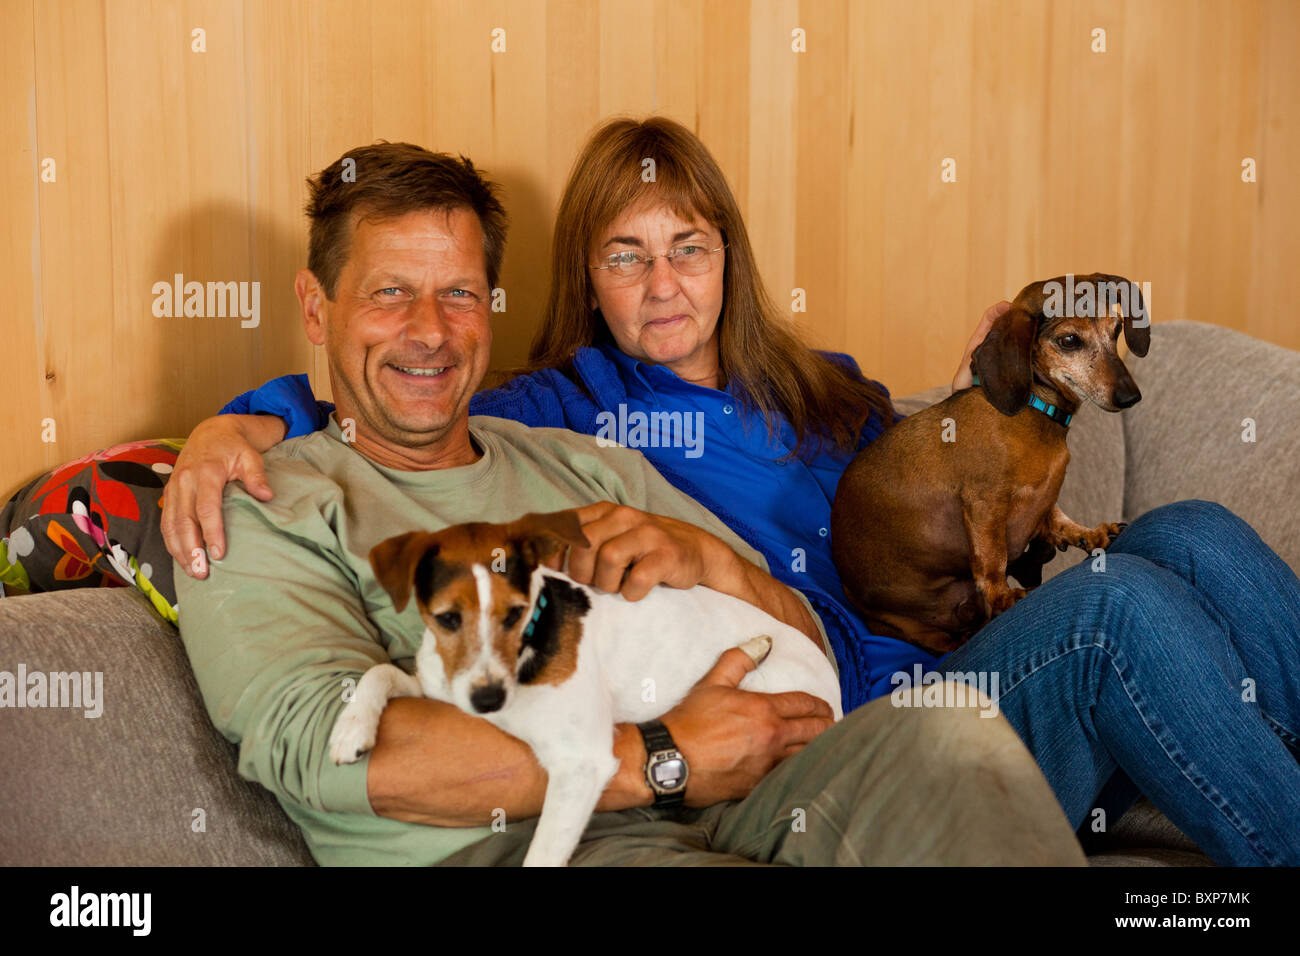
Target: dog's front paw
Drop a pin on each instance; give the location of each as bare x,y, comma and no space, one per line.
353,734
1086,539
1101,536
1005,600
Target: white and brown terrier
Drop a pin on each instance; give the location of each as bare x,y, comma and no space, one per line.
556,663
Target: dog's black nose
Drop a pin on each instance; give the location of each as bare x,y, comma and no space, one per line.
487,698
1126,397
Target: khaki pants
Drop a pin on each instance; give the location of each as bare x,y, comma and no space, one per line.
886,786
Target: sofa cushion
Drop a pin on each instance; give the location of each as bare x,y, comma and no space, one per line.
1184,439
122,788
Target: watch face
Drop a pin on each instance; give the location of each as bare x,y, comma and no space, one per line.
669,773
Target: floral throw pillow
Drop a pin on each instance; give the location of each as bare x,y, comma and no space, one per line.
94,522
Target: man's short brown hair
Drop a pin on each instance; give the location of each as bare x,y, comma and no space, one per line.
386,180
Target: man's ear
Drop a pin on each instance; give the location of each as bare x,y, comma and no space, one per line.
538,536
394,561
311,299
1003,360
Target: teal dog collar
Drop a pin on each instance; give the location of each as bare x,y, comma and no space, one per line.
537,613
1051,411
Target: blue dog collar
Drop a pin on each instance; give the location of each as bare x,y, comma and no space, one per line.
537,613
1051,411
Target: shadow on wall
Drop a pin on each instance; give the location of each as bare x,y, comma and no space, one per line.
222,314
526,269
159,371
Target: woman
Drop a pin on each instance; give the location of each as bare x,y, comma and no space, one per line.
1132,676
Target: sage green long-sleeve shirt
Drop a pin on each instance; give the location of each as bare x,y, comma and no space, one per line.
293,610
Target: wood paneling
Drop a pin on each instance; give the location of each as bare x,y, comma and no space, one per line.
172,161
26,397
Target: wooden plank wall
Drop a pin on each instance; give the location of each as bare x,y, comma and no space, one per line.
173,161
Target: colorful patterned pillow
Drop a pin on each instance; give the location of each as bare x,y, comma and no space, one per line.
94,522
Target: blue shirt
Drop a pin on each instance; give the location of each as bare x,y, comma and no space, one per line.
705,443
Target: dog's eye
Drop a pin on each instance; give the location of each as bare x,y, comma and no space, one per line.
512,615
448,620
1069,342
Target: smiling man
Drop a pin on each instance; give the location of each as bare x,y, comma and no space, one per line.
409,393
403,258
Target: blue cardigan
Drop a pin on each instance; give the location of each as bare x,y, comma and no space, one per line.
714,450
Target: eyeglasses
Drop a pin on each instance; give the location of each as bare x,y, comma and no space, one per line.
624,268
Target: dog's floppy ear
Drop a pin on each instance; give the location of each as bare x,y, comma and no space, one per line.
1003,360
394,561
538,536
1137,337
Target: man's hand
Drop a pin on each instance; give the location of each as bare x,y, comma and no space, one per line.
732,738
963,377
218,451
435,764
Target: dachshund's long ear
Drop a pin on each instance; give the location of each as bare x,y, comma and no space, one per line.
394,561
1003,360
1136,336
538,536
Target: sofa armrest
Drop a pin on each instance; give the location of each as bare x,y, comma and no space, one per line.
1200,383
122,788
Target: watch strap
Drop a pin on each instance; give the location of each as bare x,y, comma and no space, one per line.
656,736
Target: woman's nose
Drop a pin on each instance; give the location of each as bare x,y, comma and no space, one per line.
663,278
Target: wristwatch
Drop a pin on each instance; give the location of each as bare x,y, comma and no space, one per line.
665,767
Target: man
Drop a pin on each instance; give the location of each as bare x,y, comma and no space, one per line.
403,257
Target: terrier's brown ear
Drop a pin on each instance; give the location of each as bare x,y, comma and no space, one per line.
394,561
1003,360
538,536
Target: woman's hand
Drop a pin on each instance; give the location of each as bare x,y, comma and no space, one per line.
632,551
218,451
963,377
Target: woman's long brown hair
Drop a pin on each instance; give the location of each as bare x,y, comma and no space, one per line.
759,350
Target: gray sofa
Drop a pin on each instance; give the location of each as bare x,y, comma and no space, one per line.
152,782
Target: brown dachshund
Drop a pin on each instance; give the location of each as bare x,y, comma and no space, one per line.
926,517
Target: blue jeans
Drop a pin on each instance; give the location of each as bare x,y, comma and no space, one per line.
1177,667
